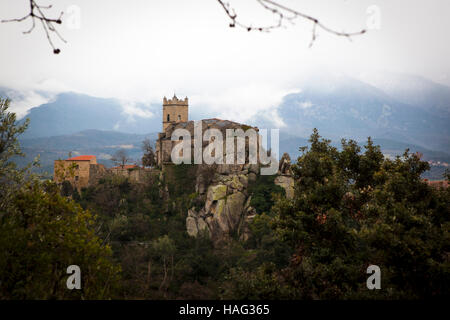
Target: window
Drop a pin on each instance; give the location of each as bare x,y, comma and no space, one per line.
76,178
168,117
179,118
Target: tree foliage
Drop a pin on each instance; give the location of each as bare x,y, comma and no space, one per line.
149,157
41,237
120,158
351,209
354,209
42,233
10,176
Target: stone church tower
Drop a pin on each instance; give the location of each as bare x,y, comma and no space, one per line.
174,111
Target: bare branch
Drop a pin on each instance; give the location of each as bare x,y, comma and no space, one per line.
283,14
47,23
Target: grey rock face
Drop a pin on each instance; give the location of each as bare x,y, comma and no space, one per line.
287,183
227,209
285,164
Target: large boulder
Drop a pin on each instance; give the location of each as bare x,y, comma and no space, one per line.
229,214
285,164
287,183
217,192
227,208
191,226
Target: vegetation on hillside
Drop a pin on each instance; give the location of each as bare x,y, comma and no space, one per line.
42,233
352,208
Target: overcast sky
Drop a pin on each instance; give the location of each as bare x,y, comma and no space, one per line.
141,50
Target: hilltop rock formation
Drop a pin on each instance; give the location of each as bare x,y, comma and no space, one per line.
227,211
284,178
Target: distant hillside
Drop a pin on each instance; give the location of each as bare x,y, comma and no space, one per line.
400,111
72,112
352,109
415,90
102,144
416,111
390,148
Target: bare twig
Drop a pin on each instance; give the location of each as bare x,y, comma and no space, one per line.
47,23
283,13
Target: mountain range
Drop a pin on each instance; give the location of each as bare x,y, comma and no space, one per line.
344,107
399,111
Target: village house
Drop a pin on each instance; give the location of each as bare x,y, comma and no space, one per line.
83,171
80,171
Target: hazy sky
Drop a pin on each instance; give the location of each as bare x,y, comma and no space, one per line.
141,50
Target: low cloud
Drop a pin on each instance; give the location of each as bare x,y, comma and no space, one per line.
132,109
23,101
305,104
122,146
104,156
244,104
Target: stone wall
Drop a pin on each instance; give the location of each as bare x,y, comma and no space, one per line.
76,172
96,171
174,110
133,174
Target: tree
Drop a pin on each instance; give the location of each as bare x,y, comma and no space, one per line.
120,158
283,14
354,209
149,157
164,248
11,178
37,13
42,233
41,237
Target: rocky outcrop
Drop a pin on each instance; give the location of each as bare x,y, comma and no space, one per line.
227,209
223,189
284,165
284,178
287,183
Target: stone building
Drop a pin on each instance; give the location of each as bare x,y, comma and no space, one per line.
164,144
133,172
175,116
80,171
174,111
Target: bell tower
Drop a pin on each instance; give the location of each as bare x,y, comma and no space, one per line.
174,110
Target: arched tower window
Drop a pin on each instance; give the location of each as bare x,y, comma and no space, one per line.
179,117
168,117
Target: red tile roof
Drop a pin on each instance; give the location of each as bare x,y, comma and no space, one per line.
82,158
437,183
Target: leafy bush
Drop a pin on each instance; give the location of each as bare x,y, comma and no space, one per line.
262,191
